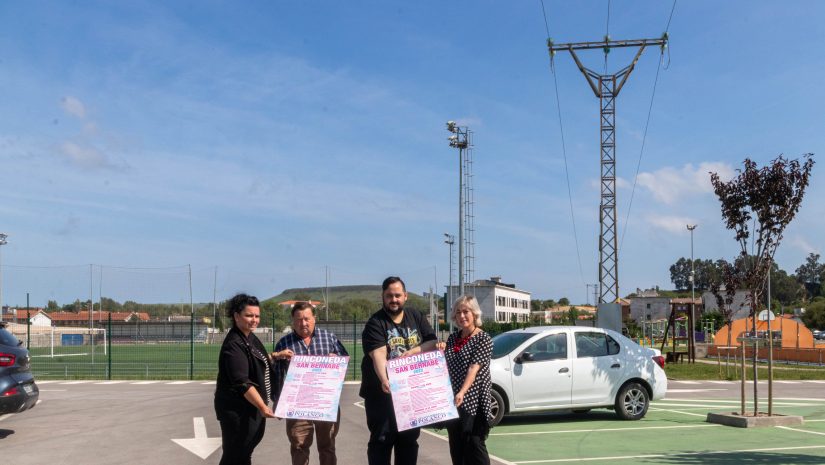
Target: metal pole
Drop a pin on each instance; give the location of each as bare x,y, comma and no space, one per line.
449,241
770,348
460,222
191,329
109,342
3,242
692,334
28,325
215,301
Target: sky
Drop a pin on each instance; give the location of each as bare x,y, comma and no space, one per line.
277,144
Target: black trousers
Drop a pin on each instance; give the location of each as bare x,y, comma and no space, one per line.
240,433
468,435
384,435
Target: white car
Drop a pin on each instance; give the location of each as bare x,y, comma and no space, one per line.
573,368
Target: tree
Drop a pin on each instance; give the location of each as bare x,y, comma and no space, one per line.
765,199
810,275
680,274
814,316
52,306
564,301
784,288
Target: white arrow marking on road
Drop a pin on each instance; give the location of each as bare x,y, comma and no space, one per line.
200,445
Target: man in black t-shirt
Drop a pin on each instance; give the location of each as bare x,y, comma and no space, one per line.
390,333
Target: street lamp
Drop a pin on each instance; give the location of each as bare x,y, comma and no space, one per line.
449,240
3,242
459,138
692,297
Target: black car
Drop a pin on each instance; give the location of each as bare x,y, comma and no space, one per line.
18,391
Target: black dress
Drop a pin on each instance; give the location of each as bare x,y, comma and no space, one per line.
468,434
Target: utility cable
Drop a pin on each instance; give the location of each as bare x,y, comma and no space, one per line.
647,124
607,36
564,152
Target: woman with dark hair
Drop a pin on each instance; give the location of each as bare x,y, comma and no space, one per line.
244,388
468,352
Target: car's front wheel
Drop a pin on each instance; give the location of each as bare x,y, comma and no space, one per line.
496,407
632,402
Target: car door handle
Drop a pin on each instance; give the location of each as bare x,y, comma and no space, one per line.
615,365
564,370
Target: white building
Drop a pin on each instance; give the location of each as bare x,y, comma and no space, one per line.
499,302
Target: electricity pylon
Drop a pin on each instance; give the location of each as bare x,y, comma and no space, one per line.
607,88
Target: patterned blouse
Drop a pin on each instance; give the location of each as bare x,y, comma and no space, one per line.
460,354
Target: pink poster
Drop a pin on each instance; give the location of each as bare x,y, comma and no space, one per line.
421,390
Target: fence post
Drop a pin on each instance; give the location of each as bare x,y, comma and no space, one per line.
109,344
28,325
354,346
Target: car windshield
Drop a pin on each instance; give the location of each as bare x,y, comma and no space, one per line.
504,343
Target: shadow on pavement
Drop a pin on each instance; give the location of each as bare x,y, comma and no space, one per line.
4,433
739,458
570,417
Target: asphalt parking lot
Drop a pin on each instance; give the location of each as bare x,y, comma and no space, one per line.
99,422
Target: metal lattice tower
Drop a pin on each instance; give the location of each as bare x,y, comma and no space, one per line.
607,88
469,214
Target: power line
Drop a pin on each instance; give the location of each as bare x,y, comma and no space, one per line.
644,136
564,151
641,152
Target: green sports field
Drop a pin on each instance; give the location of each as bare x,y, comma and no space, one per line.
143,361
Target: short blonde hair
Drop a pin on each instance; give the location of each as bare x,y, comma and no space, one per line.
472,303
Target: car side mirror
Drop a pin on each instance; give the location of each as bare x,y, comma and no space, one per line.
524,357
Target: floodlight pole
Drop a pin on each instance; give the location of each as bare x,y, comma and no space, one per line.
607,88
460,139
692,334
449,240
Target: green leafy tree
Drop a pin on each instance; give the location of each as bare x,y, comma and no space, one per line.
810,275
814,316
564,301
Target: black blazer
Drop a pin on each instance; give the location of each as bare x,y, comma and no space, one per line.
238,369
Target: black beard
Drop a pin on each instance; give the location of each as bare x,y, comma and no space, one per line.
394,312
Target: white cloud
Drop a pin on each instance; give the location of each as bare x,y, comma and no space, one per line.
85,157
802,244
672,224
669,185
73,106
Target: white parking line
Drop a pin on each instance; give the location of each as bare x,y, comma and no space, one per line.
721,382
112,382
780,381
800,430
85,381
181,382
681,454
678,411
600,430
682,391
444,438
683,382
210,383
146,382
48,381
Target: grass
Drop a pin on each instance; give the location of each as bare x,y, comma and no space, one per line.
711,371
144,361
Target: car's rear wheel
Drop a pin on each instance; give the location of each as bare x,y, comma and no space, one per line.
632,402
496,407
